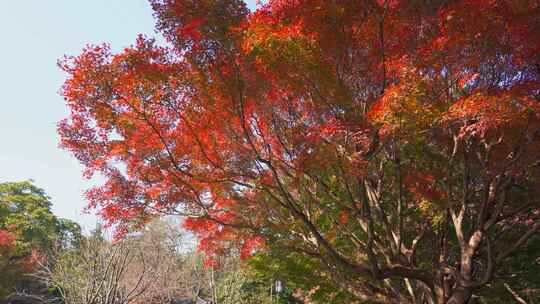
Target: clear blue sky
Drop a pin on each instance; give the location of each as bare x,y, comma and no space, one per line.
35,33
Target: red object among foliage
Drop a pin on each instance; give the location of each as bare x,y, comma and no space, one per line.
6,239
272,126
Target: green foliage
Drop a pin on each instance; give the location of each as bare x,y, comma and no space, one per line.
521,273
297,272
240,283
25,212
69,234
25,215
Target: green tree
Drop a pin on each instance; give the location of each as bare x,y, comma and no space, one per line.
302,278
29,232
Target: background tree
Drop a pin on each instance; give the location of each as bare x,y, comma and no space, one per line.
95,273
155,265
29,232
303,280
394,143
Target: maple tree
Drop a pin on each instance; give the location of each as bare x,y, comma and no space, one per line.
393,143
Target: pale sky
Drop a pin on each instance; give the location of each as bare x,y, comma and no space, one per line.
35,34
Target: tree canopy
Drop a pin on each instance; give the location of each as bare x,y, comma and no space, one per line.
29,232
394,144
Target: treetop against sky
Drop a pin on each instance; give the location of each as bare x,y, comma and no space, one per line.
40,33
